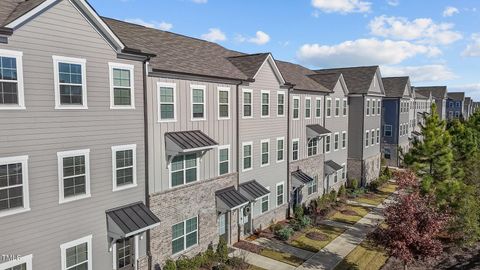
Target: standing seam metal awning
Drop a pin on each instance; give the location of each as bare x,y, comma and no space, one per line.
229,199
253,190
316,130
130,220
331,167
187,142
300,178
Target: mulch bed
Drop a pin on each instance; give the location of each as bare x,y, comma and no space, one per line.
349,212
317,236
248,247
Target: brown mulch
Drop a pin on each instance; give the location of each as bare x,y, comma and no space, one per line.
248,247
349,212
317,236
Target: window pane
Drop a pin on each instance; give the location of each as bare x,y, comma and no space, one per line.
223,96
223,154
177,178
122,96
8,93
197,95
166,111
177,230
178,245
191,175
191,225
247,163
166,94
191,239
224,111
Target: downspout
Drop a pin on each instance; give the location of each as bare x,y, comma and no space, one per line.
289,145
397,134
145,124
362,168
237,102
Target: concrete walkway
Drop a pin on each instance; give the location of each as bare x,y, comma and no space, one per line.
260,261
361,204
282,247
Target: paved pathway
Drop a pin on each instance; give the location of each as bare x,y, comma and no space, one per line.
260,261
282,247
360,204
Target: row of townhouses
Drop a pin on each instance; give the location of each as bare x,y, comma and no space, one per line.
124,146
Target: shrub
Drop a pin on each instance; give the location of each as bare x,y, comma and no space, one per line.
222,250
305,221
354,184
186,264
323,202
298,212
295,225
209,254
170,265
276,227
333,196
342,193
237,263
285,233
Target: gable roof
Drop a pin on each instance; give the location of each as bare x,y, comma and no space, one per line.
456,95
439,92
299,76
395,86
249,64
420,96
328,80
11,10
358,79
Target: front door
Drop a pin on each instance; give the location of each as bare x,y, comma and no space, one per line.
125,254
223,226
246,219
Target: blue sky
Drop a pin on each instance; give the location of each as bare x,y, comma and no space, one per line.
436,42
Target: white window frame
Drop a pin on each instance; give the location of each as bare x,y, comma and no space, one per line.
385,130
25,189
379,106
229,159
297,140
243,156
204,90
283,149
372,139
281,93
132,147
114,253
261,152
374,107
60,156
65,246
243,103
367,113
317,108
27,259
344,171
184,169
293,108
337,108
69,60
20,87
131,68
367,138
261,202
159,103
378,136
308,108
329,143
345,107
278,195
328,108
185,236
344,140
336,141
226,89
261,103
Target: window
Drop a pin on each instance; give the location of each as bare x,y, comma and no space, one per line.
280,149
223,103
386,153
247,156
247,103
312,147
74,175
223,159
318,108
166,104
373,107
124,166
183,170
344,171
327,143
198,102
280,104
265,103
312,187
280,193
22,263
373,136
295,145
368,107
265,145
337,107
344,139
14,185
457,114
458,104
125,252
308,108
265,203
11,80
296,107
450,114
121,86
379,107
184,235
387,132
378,135
336,143
70,83
335,177
329,107
345,107
367,141
77,254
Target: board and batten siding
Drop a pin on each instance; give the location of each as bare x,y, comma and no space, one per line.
40,131
257,128
222,131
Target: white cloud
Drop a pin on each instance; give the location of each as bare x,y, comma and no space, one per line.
472,90
450,11
423,30
473,49
200,1
260,38
342,6
426,73
393,3
362,52
152,24
214,35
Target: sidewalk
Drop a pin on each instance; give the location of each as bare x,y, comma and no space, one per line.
260,261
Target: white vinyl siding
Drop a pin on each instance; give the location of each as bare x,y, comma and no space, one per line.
124,164
166,102
74,175
121,86
14,192
11,80
70,82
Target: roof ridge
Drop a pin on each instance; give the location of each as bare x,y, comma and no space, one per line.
245,55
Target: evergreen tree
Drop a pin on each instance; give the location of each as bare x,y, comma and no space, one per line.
465,151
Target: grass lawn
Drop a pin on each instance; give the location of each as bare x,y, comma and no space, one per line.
282,257
378,197
360,212
306,243
388,188
364,257
253,267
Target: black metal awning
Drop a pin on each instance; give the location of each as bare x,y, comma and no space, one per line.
129,220
188,142
229,199
316,130
416,133
331,167
253,190
300,178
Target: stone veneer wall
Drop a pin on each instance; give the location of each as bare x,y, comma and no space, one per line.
371,168
176,205
142,263
311,166
264,221
392,162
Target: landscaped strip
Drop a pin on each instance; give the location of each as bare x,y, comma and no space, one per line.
364,256
270,253
378,197
350,214
316,238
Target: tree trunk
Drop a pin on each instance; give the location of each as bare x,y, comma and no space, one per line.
405,266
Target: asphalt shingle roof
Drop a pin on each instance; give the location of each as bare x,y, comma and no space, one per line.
358,79
395,86
328,80
249,64
439,92
299,76
11,10
456,95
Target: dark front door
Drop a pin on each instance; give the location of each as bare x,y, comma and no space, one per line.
126,254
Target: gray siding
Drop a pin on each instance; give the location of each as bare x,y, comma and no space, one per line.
40,132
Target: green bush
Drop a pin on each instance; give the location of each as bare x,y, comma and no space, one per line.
222,250
170,265
342,192
209,254
305,221
374,185
333,196
323,202
285,233
276,227
354,184
298,212
186,264
295,225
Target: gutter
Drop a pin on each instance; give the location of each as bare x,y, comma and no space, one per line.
6,31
